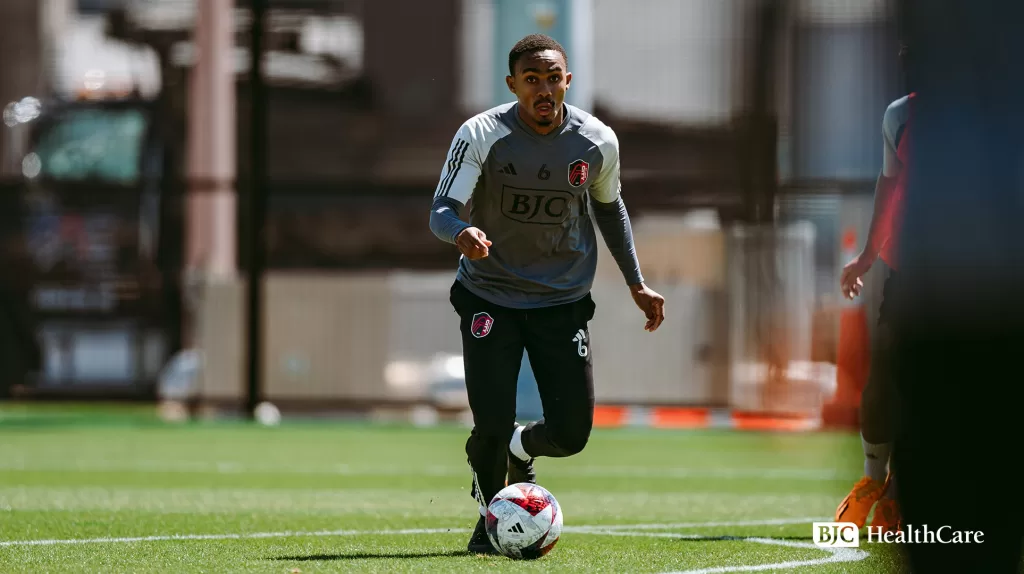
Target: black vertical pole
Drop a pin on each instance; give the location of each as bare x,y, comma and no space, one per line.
761,159
758,166
257,205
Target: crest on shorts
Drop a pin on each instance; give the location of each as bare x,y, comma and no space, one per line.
579,171
482,323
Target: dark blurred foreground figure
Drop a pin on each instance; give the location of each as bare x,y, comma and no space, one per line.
959,325
20,352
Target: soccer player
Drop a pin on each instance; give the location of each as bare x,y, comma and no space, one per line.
878,399
540,173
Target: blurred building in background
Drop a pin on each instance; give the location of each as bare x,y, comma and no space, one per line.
364,97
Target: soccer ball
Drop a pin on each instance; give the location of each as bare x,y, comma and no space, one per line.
524,521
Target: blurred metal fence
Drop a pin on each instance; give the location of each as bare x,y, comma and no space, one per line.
740,305
356,302
771,302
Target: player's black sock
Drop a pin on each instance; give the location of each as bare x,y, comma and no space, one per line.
488,458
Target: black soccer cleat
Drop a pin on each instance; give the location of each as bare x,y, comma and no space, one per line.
479,543
520,470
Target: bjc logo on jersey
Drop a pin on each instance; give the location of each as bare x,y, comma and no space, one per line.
836,534
544,207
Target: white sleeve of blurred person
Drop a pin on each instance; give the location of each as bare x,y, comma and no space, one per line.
459,177
892,121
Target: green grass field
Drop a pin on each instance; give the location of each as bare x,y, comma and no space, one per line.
93,489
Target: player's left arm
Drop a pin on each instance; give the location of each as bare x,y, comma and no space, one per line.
613,221
850,279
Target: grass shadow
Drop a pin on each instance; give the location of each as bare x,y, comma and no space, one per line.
373,555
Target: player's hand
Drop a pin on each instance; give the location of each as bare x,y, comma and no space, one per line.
652,304
472,242
850,282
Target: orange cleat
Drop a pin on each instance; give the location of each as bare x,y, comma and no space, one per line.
887,515
857,505
887,511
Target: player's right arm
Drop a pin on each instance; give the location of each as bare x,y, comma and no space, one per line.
885,184
459,177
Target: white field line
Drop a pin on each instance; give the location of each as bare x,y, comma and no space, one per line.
246,536
835,555
227,467
765,522
615,530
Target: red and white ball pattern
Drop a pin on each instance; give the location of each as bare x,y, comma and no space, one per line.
524,521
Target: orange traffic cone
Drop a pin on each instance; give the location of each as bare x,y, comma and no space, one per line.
853,358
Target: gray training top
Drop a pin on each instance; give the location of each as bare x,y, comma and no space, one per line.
532,196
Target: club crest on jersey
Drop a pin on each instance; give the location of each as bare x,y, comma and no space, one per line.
579,171
482,323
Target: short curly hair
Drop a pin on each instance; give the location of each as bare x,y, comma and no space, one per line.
530,44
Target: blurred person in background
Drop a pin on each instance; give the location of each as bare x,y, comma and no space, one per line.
879,397
536,170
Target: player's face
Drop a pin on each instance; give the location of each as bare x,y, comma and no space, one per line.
540,84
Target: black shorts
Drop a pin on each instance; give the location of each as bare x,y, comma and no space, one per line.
557,341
